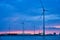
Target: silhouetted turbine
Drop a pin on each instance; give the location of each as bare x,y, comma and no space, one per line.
23,27
34,29
43,13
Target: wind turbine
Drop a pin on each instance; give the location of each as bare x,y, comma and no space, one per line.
34,29
23,23
23,27
9,28
43,13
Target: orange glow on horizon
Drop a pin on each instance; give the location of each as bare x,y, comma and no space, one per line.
29,32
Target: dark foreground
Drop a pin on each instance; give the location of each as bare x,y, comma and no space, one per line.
29,37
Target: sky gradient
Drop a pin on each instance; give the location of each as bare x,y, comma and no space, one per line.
14,12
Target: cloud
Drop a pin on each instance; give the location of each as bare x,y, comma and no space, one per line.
57,26
34,10
7,7
52,17
17,17
47,17
11,19
53,28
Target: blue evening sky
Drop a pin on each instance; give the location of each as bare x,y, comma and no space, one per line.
14,12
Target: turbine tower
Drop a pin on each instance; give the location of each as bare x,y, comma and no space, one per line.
9,28
34,29
23,27
43,13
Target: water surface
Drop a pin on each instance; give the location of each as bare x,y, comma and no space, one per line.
29,37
